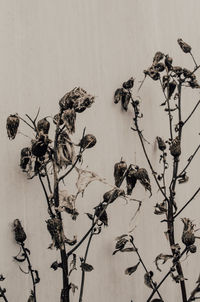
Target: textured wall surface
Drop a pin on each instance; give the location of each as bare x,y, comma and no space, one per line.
47,48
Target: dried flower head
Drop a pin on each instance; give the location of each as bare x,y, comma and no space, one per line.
119,170
188,237
126,97
161,143
69,118
43,126
88,141
57,118
118,95
186,48
12,125
54,226
143,177
128,84
25,158
20,235
131,179
175,147
40,145
65,150
158,57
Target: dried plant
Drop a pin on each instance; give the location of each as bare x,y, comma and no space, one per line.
171,79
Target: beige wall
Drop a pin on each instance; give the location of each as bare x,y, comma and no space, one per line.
47,48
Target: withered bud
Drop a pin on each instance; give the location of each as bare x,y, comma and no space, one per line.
25,157
101,213
40,145
69,118
118,95
187,73
126,97
168,62
186,48
178,70
131,179
112,195
152,73
158,57
88,141
12,125
129,84
143,177
54,226
57,118
43,126
119,170
175,147
20,235
161,143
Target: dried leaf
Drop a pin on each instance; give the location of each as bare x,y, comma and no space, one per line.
73,287
90,216
148,279
162,257
71,241
86,267
143,177
119,170
73,264
130,270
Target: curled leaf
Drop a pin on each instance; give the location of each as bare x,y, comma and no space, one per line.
162,257
130,270
73,287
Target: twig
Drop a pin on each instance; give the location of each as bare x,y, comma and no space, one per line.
2,294
187,203
46,195
26,122
193,60
189,161
191,113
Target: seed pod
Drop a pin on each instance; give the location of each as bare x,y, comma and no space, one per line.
131,179
54,226
56,118
192,248
168,62
12,126
188,237
126,97
186,48
25,157
43,126
119,170
69,118
40,145
158,57
103,217
171,88
20,235
118,95
161,143
88,141
129,84
175,148
113,194
143,177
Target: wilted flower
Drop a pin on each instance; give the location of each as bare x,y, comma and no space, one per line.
78,99
113,194
188,237
69,118
131,179
161,143
178,70
175,148
20,235
101,213
143,177
159,67
119,170
126,97
158,57
184,46
43,126
65,150
25,158
12,125
152,73
192,248
128,84
40,145
118,95
88,141
54,226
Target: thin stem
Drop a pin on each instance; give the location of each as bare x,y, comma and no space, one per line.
191,112
83,272
46,195
193,60
145,268
187,203
3,294
30,270
26,122
189,161
48,180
